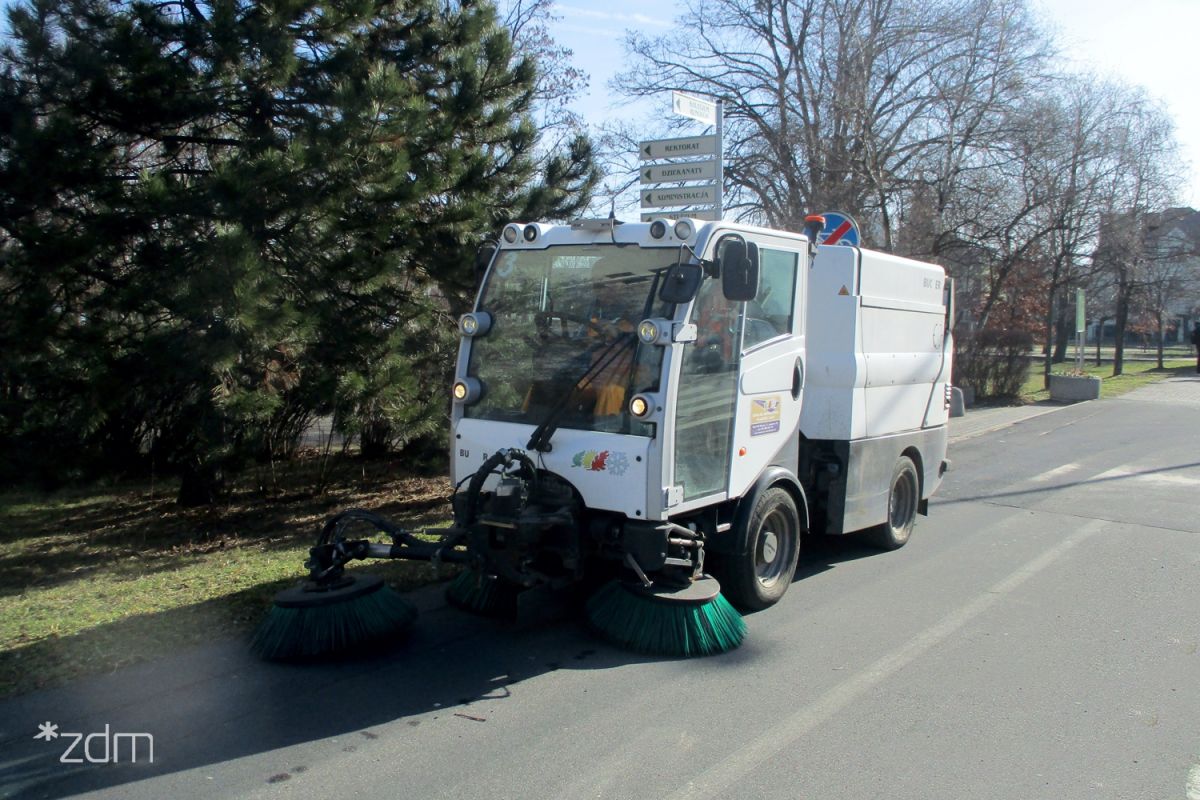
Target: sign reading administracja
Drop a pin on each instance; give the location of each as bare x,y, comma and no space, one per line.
679,197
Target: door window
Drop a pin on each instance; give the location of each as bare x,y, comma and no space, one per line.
707,394
770,313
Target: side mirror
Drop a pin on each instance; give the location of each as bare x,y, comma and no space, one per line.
681,283
737,261
483,257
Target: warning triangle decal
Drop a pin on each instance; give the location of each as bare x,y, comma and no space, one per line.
843,290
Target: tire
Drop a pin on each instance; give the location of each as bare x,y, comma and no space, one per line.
769,547
904,497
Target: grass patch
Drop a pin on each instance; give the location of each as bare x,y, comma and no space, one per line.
92,580
1135,374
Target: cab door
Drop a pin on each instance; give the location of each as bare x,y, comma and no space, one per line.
771,374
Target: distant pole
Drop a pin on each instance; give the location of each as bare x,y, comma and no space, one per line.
1080,329
720,158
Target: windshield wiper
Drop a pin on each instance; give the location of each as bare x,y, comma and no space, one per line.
540,440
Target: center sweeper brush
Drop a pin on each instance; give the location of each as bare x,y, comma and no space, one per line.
692,620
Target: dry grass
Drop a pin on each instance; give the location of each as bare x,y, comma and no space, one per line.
94,579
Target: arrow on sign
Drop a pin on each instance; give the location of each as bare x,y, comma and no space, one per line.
688,106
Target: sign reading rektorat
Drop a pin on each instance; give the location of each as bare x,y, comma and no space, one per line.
679,197
682,171
677,148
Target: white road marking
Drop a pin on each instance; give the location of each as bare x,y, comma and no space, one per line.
1116,472
720,778
1193,783
1054,473
1168,479
1149,476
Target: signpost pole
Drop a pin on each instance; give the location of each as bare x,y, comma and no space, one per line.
720,206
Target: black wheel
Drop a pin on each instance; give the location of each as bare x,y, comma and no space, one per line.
769,547
903,499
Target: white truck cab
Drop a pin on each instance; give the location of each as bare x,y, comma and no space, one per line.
703,388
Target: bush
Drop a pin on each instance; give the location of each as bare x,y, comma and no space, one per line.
992,362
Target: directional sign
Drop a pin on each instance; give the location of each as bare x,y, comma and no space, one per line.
681,171
687,106
679,197
839,229
677,148
694,213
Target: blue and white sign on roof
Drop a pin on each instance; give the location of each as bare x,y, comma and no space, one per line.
839,229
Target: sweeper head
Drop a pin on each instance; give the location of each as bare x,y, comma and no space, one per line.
314,619
333,611
688,620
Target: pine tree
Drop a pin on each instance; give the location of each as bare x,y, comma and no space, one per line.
219,219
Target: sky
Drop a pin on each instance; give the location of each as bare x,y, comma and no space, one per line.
1151,43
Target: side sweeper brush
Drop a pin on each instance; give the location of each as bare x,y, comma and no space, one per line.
695,620
335,611
311,620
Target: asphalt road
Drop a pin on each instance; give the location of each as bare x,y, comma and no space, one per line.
1039,637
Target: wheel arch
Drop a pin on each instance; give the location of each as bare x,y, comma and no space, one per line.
913,453
771,477
922,501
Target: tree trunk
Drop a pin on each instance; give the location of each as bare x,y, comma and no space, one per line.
1047,349
1062,334
199,485
1159,319
1100,337
1122,316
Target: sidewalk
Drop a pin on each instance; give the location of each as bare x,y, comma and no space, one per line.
981,420
1181,390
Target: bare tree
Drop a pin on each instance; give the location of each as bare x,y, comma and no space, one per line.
559,81
1146,177
843,103
1173,254
1075,165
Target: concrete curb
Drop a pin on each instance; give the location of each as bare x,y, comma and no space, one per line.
1041,412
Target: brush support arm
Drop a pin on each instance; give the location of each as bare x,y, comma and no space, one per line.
333,550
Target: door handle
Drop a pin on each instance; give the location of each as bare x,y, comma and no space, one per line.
797,378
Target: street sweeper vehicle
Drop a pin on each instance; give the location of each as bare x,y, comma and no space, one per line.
655,413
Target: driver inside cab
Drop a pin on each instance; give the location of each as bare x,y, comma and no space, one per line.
614,299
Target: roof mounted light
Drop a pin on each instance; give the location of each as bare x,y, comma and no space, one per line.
683,230
530,233
511,232
658,229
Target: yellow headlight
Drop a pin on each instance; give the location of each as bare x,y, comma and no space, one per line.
460,391
639,406
648,331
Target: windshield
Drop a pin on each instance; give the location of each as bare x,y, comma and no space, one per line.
555,313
